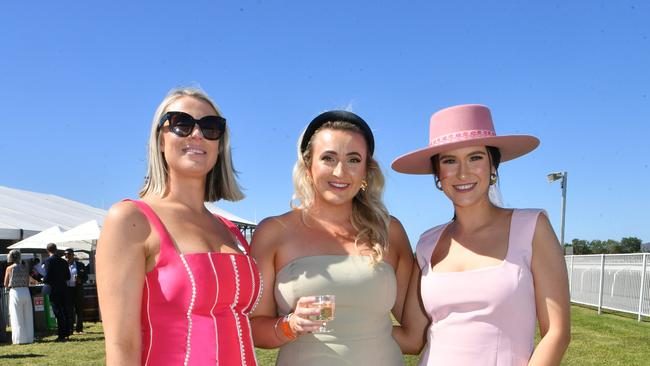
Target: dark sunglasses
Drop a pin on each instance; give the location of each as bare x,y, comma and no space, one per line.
182,124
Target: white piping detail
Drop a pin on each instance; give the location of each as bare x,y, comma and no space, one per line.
214,318
146,285
189,311
234,313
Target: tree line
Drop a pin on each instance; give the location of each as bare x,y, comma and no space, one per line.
626,245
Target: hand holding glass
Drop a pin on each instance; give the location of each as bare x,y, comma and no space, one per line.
326,304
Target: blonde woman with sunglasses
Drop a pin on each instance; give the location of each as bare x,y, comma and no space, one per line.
175,282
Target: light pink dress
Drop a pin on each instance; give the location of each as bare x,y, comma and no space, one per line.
485,316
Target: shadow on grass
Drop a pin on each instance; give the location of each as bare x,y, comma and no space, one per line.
14,356
74,340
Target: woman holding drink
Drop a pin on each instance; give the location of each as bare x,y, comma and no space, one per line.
337,264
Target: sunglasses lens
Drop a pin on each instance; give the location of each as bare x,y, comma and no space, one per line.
181,124
212,127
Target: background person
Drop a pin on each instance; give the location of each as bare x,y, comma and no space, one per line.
174,282
78,277
338,240
56,276
20,301
490,273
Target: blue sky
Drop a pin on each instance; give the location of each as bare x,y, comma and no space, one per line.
80,82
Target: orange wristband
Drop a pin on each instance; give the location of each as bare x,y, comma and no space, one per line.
286,327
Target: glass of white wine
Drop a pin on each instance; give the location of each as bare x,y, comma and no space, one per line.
326,304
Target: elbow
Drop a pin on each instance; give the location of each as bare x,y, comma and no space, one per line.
565,338
123,353
560,339
415,347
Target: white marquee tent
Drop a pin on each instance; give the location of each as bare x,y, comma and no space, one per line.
82,237
25,213
40,240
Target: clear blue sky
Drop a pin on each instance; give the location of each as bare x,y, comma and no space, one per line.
80,82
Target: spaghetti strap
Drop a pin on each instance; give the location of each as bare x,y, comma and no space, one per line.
165,239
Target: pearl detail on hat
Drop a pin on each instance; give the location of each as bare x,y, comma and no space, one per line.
461,136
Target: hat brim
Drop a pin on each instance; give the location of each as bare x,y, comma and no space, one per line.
419,161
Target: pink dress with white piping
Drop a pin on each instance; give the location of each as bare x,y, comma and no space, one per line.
485,316
195,306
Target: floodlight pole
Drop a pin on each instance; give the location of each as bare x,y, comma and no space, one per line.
552,177
564,181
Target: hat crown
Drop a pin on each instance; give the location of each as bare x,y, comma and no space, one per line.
462,122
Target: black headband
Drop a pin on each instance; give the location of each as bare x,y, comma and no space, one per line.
333,116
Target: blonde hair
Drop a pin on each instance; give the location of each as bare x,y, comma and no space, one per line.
13,256
369,215
221,180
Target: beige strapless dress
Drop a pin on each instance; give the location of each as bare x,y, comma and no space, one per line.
361,331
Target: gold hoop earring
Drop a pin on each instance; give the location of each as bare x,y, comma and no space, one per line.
493,179
364,185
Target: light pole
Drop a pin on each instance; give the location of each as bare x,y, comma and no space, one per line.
552,178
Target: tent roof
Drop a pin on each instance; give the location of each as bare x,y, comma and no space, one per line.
38,241
223,213
34,212
24,213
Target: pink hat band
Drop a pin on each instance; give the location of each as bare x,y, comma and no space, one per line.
460,136
462,126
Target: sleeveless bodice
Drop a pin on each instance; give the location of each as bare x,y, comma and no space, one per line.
195,306
19,276
484,316
361,330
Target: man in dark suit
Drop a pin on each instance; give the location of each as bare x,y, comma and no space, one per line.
78,277
56,276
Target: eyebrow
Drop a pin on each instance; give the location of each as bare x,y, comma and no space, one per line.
334,153
472,153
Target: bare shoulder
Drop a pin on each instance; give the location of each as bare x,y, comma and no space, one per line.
399,241
397,233
123,225
270,231
544,238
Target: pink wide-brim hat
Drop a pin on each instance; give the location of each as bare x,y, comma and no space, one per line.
461,126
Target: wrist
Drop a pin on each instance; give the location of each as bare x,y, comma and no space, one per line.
283,326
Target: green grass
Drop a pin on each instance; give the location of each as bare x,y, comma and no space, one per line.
609,339
82,349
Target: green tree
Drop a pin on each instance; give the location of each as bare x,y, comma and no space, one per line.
631,245
580,247
598,247
613,247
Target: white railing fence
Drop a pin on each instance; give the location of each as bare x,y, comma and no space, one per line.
619,282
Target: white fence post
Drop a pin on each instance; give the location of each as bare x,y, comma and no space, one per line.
602,282
641,292
571,277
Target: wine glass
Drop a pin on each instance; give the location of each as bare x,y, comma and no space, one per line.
326,304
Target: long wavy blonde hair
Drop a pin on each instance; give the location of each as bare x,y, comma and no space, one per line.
221,180
369,215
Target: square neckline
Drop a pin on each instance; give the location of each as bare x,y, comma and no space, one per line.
474,270
174,244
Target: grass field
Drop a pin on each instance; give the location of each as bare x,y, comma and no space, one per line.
609,339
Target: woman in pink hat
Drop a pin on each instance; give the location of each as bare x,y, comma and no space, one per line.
484,279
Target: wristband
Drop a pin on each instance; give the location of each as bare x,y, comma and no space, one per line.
285,326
